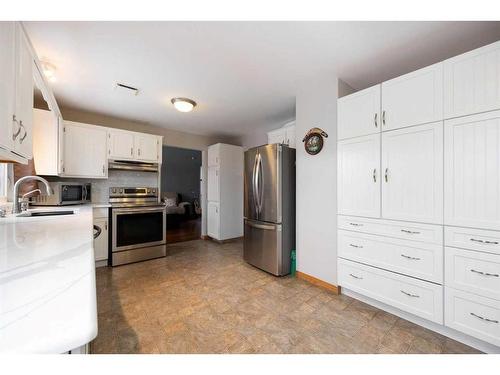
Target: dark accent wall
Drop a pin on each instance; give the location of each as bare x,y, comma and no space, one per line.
180,172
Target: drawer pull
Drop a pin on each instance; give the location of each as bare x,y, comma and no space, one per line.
356,277
485,273
356,246
409,231
409,257
485,319
356,224
485,242
410,295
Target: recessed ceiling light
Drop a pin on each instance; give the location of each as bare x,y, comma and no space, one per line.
49,71
183,104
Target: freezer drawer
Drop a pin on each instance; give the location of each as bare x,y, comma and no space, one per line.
263,247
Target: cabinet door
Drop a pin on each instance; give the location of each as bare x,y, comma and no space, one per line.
101,242
213,184
472,171
121,144
146,147
276,136
359,176
290,136
7,84
213,223
412,168
359,113
84,151
413,99
24,95
214,155
472,82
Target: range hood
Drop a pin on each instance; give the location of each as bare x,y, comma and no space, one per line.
128,165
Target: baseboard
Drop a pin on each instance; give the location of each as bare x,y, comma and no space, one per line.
441,329
313,280
204,237
223,241
101,263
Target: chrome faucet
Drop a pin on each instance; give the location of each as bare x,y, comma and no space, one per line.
16,208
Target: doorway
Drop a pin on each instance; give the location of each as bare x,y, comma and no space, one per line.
180,189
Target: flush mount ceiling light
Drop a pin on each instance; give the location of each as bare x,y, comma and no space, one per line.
183,104
49,71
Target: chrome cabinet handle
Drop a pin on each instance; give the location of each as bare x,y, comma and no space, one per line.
386,175
131,151
485,319
356,277
410,295
485,273
485,242
139,151
356,224
356,246
375,175
14,136
409,257
375,120
409,231
383,117
21,125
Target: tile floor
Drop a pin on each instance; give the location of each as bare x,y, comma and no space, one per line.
203,298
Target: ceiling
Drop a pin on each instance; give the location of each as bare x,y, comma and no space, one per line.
244,75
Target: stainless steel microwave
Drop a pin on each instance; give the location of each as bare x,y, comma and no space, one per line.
65,193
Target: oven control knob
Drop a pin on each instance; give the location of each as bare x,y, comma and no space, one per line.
114,191
121,191
154,191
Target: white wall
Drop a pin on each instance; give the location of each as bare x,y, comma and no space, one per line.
316,106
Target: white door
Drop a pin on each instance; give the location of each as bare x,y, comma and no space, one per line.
472,171
359,176
121,144
213,223
7,84
276,136
413,99
412,174
24,96
146,147
101,242
213,184
84,151
359,113
472,82
290,136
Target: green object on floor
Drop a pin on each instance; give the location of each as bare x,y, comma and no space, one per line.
293,263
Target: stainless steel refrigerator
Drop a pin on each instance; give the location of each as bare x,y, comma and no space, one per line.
269,233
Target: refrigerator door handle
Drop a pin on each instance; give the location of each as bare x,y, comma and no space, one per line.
254,184
261,226
260,184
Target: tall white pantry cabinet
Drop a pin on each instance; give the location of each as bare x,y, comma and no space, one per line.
419,196
225,192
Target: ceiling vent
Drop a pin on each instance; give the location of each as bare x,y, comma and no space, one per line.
127,89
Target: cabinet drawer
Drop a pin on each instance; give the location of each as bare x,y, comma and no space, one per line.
417,297
474,315
398,229
473,239
473,272
411,258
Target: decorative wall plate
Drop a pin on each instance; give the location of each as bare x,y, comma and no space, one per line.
313,141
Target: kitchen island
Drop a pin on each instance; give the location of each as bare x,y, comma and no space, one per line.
47,282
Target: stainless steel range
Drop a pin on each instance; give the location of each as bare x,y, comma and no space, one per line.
138,225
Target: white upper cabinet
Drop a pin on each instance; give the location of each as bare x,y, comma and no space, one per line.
120,144
84,151
472,171
359,176
284,135
412,174
359,113
147,147
276,136
213,184
472,82
214,155
413,99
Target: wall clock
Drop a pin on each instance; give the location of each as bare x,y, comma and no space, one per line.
313,141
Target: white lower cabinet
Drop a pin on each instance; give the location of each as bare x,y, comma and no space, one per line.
487,241
213,220
416,259
472,314
101,242
421,298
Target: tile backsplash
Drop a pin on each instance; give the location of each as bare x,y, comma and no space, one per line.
100,188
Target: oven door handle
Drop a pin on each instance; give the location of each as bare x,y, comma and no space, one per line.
138,210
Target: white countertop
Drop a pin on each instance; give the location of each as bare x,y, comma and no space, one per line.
47,282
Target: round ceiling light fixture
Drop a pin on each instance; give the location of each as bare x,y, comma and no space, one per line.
183,104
